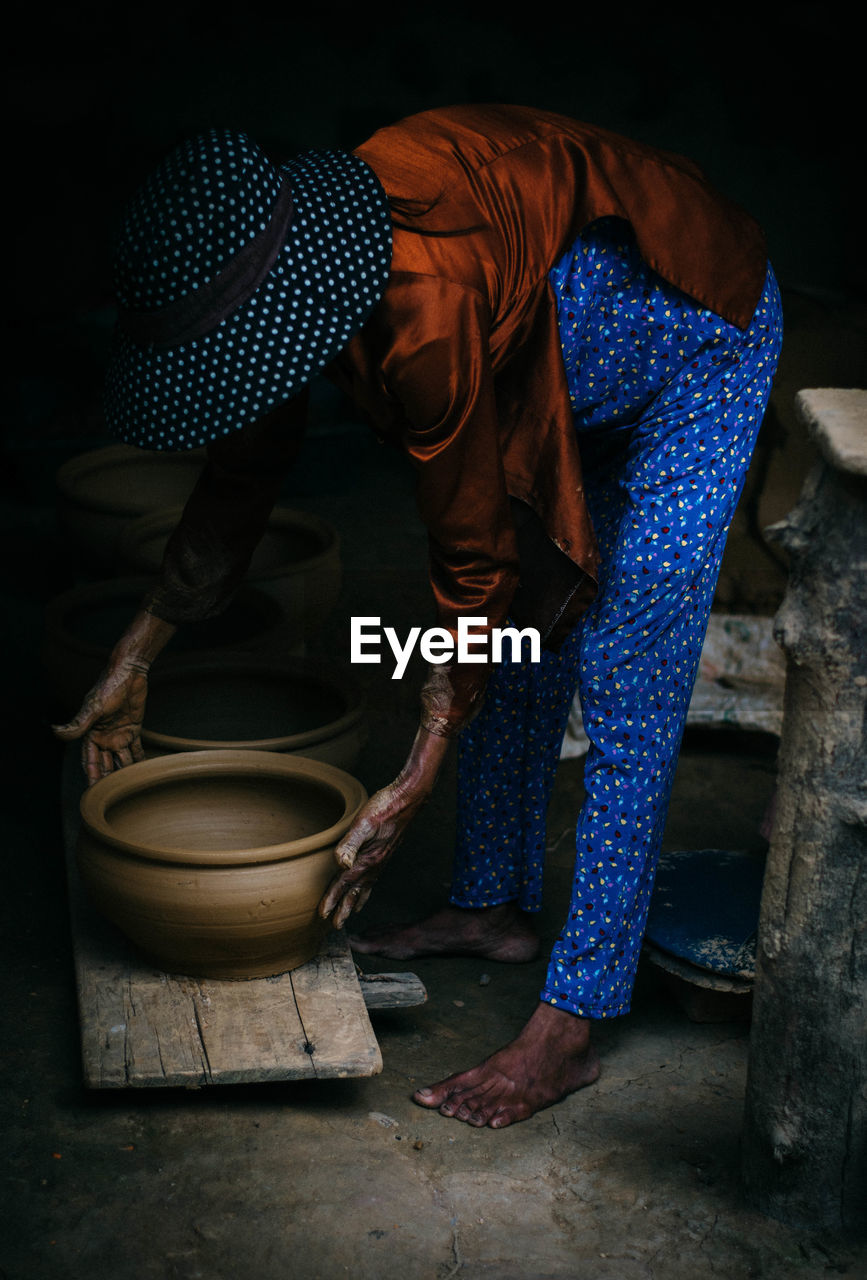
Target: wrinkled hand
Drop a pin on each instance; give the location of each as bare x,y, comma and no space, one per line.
379,828
368,845
109,722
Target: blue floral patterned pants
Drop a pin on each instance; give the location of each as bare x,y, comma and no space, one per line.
667,399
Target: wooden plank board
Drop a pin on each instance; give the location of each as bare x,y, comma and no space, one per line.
392,990
143,1027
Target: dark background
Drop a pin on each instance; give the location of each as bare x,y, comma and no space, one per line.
763,97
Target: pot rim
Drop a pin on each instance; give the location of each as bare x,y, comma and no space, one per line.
147,775
303,669
68,476
166,518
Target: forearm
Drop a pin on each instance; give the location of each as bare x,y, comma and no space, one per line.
208,553
450,697
226,516
423,762
473,584
144,639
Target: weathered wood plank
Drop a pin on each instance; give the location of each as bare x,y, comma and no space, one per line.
327,995
142,1027
392,990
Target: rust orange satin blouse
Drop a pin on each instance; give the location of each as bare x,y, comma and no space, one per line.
460,362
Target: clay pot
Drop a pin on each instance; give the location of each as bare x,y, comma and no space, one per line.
297,560
233,702
100,491
83,625
213,862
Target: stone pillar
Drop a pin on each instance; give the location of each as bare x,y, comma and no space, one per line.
805,1134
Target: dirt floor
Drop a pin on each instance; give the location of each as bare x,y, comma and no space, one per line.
636,1177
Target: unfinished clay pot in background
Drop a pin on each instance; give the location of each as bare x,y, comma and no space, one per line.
101,491
297,560
237,702
213,862
82,626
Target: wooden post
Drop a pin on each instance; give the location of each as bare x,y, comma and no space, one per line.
805,1134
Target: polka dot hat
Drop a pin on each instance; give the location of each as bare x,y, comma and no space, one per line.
238,280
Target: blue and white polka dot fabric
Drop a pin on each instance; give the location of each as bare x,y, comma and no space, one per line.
201,206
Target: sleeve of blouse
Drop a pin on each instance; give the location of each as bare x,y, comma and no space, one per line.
439,369
225,516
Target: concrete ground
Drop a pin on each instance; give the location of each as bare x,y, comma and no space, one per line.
636,1177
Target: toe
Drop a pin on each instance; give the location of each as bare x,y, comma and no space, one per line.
431,1095
503,1116
463,1091
453,1105
480,1107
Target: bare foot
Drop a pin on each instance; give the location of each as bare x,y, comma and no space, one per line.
551,1058
498,933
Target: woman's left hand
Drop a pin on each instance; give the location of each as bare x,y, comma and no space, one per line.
379,829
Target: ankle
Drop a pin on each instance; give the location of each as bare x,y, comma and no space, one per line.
549,1021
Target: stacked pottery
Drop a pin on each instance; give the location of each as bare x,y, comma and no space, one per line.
120,505
213,852
101,491
297,561
83,625
213,862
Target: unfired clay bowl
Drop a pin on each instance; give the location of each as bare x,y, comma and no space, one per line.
101,491
83,625
213,862
297,560
234,702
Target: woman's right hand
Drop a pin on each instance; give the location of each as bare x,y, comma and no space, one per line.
109,722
